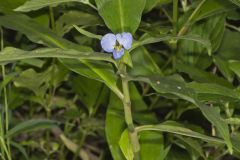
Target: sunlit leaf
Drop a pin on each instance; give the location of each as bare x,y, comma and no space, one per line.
121,15
125,145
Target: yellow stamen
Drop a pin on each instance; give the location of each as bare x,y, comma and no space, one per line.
118,47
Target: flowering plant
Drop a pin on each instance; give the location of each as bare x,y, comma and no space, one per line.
119,79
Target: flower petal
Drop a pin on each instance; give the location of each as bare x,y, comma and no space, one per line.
125,39
108,42
117,55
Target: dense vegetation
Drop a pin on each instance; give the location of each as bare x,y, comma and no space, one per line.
171,94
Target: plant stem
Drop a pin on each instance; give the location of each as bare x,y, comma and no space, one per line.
175,24
133,136
167,15
2,135
52,19
233,27
175,17
5,100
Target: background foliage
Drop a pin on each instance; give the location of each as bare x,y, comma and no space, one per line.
61,96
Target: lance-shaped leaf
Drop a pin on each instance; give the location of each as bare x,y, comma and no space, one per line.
36,32
176,87
31,125
176,128
10,54
39,34
121,15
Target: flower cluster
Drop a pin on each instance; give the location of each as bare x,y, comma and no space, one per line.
117,43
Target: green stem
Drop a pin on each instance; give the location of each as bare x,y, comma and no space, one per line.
175,17
2,135
5,100
52,19
52,88
167,15
233,27
2,143
175,24
133,136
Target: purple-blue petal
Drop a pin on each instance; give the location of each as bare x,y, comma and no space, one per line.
117,55
108,42
125,39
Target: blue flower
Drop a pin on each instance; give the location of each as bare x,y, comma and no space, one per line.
117,43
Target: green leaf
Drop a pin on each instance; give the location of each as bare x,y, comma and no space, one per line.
215,92
35,62
192,146
152,146
10,54
125,145
149,40
86,33
102,72
21,149
151,142
6,81
150,4
37,33
127,59
202,76
65,22
236,142
143,63
89,90
32,5
121,15
96,70
115,125
31,125
176,128
4,148
36,82
169,85
195,53
230,46
223,66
